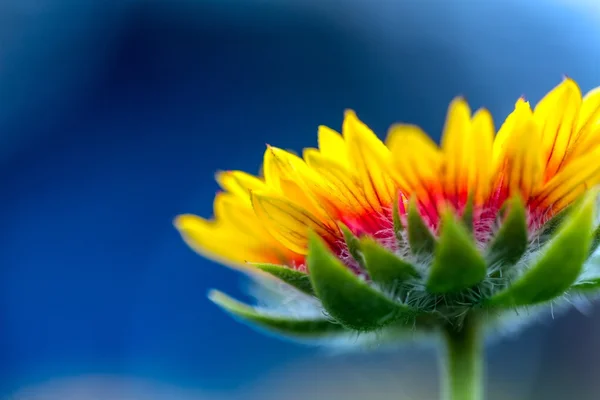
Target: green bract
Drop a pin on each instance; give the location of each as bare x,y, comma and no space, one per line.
434,280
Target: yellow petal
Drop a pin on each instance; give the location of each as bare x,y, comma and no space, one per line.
282,165
371,159
234,213
556,115
333,146
588,125
239,183
302,198
571,182
343,186
482,127
518,159
521,112
213,241
277,165
416,161
458,147
293,179
288,223
589,114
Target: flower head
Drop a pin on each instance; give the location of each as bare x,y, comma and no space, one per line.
405,234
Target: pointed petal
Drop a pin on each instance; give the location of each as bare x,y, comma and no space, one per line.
280,324
483,138
570,183
559,265
371,160
588,126
518,160
299,193
589,114
416,161
346,297
281,166
457,263
333,146
295,180
590,110
557,114
288,223
343,186
239,183
233,215
458,146
224,244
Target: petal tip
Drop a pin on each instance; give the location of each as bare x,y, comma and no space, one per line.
522,104
220,174
458,111
460,103
322,130
350,115
460,99
570,83
182,222
222,300
214,295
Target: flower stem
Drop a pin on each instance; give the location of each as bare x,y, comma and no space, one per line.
462,366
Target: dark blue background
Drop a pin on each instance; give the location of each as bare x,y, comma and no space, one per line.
115,115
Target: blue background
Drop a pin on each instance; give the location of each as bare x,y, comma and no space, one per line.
114,116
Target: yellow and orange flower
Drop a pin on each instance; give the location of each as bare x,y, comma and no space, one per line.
548,155
404,236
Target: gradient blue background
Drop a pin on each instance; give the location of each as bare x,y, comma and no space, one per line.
114,116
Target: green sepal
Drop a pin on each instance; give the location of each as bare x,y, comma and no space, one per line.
457,263
511,240
420,238
398,227
383,266
297,279
345,296
595,241
587,285
559,265
589,279
284,325
467,214
353,244
552,225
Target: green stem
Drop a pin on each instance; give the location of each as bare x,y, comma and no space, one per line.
462,366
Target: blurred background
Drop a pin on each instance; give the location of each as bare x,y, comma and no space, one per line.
114,116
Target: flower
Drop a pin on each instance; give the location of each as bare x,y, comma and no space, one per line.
408,235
